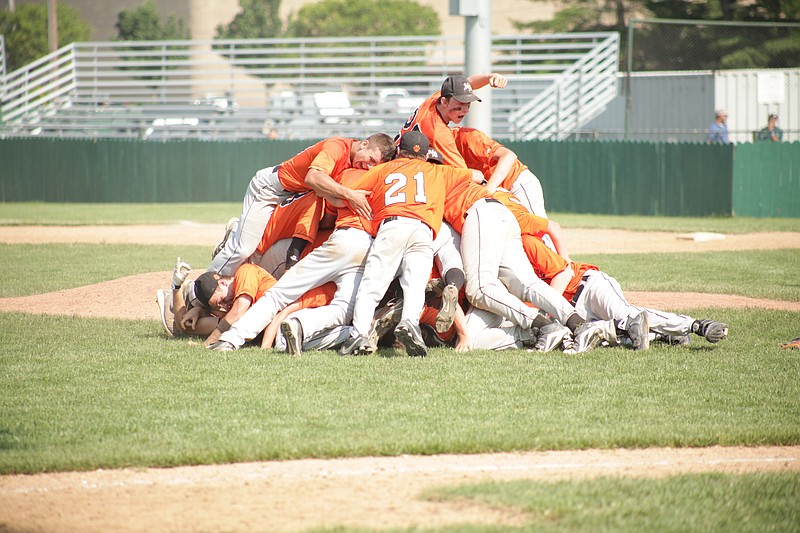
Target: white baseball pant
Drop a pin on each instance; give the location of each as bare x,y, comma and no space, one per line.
601,298
340,259
274,259
528,190
446,248
489,331
491,247
402,245
263,194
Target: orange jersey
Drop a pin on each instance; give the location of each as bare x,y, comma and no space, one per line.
427,120
459,199
478,151
346,217
297,216
529,224
318,296
252,281
547,264
331,156
411,188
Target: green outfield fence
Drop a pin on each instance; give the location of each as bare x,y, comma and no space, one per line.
603,177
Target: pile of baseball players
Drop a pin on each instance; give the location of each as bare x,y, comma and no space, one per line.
437,237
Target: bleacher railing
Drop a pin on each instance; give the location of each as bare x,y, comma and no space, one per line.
579,94
287,88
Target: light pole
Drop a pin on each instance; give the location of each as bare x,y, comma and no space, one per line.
477,55
52,25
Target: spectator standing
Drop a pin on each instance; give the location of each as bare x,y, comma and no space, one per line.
718,131
771,132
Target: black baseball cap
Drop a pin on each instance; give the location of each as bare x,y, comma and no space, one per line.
205,285
414,142
773,115
459,88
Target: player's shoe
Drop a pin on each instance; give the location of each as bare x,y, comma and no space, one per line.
793,344
359,345
712,330
221,346
409,334
638,328
292,331
230,227
434,287
431,338
551,337
587,336
164,299
386,319
447,314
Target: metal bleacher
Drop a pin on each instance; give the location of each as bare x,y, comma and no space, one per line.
297,88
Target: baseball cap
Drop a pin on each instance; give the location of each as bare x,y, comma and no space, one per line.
205,285
414,142
459,88
773,115
435,157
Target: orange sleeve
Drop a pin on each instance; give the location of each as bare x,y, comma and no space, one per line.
251,280
546,263
476,148
330,156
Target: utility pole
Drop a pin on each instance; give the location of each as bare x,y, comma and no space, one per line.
52,25
477,55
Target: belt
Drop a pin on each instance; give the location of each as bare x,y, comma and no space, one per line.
389,219
275,169
487,200
578,292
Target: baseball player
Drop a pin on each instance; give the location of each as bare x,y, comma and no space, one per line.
230,297
340,259
599,297
450,104
407,197
311,169
499,277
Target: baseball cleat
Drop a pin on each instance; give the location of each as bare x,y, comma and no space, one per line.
221,346
435,286
712,330
386,319
165,311
638,328
230,227
359,345
293,334
410,336
447,314
551,337
587,337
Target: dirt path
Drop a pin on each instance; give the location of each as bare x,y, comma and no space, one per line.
368,492
374,493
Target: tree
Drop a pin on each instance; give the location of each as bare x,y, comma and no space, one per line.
357,18
25,31
144,24
683,47
258,19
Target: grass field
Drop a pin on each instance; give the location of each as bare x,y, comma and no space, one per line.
80,394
